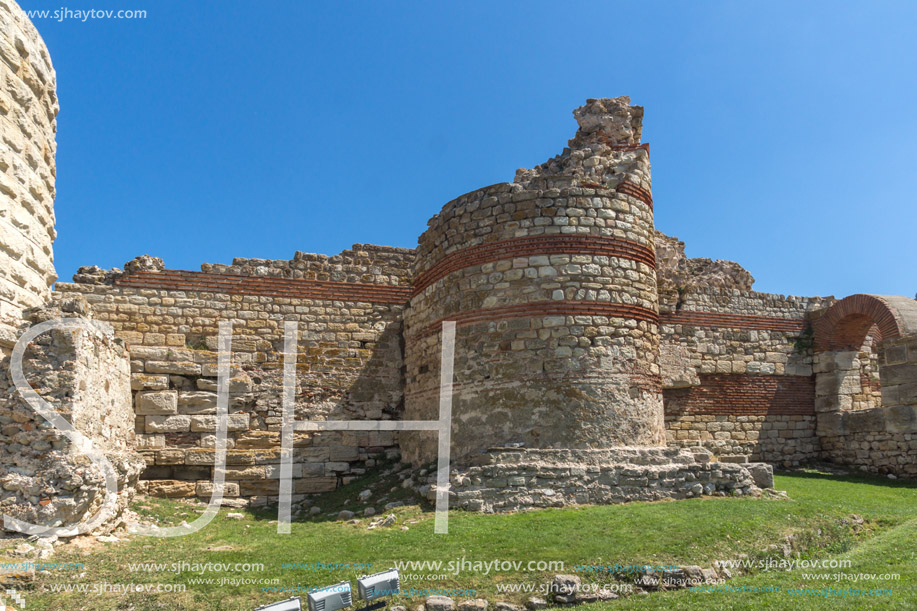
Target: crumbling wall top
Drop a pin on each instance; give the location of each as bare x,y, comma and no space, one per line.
608,120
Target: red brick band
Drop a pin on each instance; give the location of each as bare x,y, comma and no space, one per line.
629,188
626,188
543,308
733,321
534,246
638,379
743,395
179,280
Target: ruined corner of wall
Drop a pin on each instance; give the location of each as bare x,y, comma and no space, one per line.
605,151
84,375
676,274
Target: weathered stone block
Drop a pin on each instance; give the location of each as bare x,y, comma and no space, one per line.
565,587
332,468
258,439
168,424
208,424
899,374
210,370
245,473
867,420
205,489
175,368
890,394
171,488
827,384
151,442
197,402
439,603
895,355
259,487
344,453
210,441
273,471
156,403
170,457
478,604
264,457
901,418
142,381
907,394
205,456
762,474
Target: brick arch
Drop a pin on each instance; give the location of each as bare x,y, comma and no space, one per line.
845,325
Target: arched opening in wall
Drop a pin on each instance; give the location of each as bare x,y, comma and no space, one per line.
866,382
850,339
848,374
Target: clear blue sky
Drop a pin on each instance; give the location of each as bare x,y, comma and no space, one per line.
782,134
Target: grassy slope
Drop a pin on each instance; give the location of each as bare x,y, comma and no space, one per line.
686,532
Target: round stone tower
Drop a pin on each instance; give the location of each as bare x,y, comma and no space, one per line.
28,111
551,282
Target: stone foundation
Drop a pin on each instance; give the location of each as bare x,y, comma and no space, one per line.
509,479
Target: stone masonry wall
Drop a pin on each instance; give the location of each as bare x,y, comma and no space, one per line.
28,111
882,439
44,478
737,373
349,310
551,282
850,379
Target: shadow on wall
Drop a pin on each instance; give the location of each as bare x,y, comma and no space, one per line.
334,382
328,388
759,417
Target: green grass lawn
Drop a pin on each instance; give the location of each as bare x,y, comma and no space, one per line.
698,531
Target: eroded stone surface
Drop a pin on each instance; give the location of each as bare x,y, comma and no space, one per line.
513,480
28,111
45,479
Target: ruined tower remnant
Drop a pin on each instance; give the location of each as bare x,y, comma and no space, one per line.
82,372
552,283
28,111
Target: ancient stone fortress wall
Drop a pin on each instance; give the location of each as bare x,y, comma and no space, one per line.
45,478
737,373
576,322
879,439
551,282
349,309
28,111
853,428
571,347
